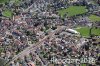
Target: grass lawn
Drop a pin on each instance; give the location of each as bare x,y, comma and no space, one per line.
3,1
84,31
7,13
72,11
94,18
17,2
1,49
83,65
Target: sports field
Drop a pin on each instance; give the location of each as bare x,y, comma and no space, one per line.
72,11
84,31
94,18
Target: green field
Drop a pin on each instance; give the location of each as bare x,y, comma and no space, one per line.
84,31
7,13
83,64
72,11
3,1
94,18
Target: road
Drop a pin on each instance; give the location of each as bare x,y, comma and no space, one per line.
34,46
28,8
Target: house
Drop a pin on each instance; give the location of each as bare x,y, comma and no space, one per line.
17,18
31,64
72,1
1,39
17,33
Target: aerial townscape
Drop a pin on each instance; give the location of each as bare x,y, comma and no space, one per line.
49,32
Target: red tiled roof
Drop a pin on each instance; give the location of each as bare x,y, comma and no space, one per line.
17,17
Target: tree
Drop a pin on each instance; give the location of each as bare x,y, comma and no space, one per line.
54,27
28,33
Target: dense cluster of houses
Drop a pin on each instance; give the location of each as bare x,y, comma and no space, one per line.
33,20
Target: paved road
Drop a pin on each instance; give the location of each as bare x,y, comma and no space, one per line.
34,46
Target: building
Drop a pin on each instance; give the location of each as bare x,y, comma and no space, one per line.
31,64
72,31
